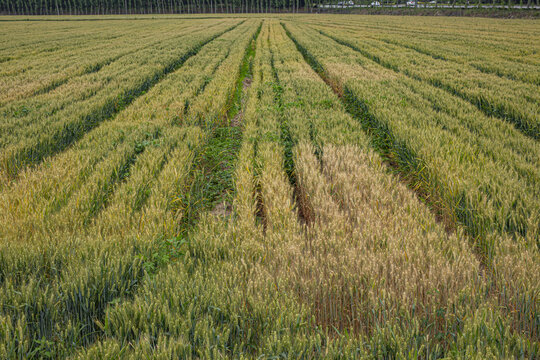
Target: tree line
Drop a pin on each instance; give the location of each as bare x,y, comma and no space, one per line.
88,7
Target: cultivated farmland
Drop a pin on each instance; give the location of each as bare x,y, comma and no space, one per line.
309,186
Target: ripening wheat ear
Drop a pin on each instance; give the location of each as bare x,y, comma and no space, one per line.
351,142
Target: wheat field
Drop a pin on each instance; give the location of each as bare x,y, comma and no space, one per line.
269,187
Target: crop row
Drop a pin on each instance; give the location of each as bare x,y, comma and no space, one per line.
506,55
218,301
345,194
52,63
484,58
447,146
326,253
515,41
389,124
83,87
111,214
281,194
55,120
504,98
